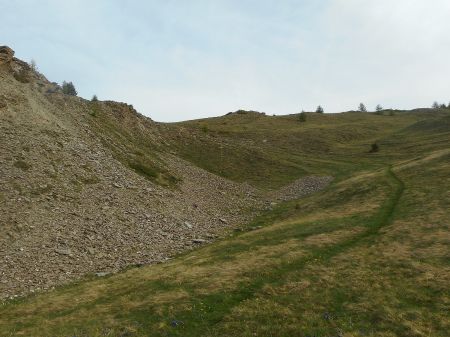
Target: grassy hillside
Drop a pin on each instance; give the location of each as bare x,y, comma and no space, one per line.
366,257
270,151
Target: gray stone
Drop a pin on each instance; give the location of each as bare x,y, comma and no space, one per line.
63,251
102,274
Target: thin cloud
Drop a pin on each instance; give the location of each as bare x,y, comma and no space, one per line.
178,60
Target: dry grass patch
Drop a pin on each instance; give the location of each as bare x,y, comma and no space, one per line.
412,240
229,274
289,287
350,209
261,317
422,161
326,239
362,177
437,250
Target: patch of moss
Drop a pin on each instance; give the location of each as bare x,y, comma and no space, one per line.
154,173
144,170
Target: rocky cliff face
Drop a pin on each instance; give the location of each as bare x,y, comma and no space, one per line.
71,201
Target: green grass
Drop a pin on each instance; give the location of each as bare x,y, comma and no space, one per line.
269,152
368,256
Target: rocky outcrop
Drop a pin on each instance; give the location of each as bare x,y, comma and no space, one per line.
301,187
6,55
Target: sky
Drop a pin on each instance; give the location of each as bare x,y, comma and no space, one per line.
177,60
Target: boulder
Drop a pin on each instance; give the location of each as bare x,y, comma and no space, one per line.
102,274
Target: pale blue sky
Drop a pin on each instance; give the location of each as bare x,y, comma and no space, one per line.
178,59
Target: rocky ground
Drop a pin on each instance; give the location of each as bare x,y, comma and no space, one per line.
300,188
69,207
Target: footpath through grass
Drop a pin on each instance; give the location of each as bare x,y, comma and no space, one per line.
221,304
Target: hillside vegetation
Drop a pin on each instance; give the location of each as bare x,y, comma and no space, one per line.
366,256
269,151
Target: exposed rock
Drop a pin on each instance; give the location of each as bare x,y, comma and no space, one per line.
6,55
300,188
63,251
102,274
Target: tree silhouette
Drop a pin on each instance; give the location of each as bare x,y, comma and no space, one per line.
302,117
69,89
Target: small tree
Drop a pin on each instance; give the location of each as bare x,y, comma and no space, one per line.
435,105
302,117
69,89
443,106
362,107
319,110
94,98
379,108
374,148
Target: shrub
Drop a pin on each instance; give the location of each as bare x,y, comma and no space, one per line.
95,108
69,89
435,105
379,108
374,148
302,117
94,98
320,110
204,128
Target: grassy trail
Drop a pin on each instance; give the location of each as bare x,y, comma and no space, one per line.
223,303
